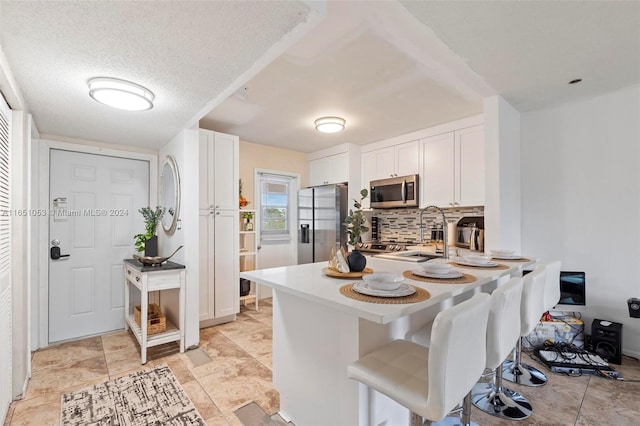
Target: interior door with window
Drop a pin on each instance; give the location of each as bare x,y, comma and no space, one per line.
94,216
275,211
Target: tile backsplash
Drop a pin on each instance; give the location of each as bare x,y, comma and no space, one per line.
403,225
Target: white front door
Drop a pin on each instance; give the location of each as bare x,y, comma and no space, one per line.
94,216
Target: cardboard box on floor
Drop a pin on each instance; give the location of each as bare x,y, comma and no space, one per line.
565,329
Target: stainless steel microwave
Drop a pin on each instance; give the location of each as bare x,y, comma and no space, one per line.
394,192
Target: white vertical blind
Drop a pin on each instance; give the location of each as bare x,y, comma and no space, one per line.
5,260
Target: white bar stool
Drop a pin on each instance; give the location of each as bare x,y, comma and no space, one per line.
552,284
503,331
532,304
431,382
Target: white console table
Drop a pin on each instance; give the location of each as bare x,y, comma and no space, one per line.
147,278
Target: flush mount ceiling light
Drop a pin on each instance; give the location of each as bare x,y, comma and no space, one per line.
329,124
120,94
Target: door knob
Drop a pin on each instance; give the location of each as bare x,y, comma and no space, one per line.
55,253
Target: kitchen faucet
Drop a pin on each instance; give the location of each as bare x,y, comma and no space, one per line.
445,248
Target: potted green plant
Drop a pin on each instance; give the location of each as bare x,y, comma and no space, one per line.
248,225
355,223
148,242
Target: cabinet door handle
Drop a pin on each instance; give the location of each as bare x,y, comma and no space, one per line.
137,278
217,213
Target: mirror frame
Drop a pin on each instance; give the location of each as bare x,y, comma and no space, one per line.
170,162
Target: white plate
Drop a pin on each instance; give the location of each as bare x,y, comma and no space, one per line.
467,263
505,257
403,290
449,275
384,281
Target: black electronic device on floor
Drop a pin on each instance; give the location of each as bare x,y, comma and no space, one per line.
576,363
606,340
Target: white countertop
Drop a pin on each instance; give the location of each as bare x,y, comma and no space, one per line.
309,282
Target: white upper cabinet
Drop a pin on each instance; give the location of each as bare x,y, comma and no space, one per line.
219,160
470,185
406,158
437,183
453,168
393,161
331,169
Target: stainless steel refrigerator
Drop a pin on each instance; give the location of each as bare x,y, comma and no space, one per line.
321,214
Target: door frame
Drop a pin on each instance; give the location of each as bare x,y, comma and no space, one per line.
40,285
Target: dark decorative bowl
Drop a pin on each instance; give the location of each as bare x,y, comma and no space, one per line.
154,260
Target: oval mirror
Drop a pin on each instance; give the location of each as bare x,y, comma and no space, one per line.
170,194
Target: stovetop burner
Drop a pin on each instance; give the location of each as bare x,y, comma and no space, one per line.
380,247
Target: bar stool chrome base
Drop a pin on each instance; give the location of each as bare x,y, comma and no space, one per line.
523,374
500,402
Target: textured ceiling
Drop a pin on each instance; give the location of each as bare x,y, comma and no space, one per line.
387,67
529,50
185,52
369,63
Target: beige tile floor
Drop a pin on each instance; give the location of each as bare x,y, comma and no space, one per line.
239,372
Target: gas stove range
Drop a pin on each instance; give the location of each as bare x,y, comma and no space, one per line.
394,251
375,247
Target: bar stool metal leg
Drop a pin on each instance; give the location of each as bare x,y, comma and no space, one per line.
520,373
461,416
500,401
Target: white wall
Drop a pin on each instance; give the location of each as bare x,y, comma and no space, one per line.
184,149
581,199
502,175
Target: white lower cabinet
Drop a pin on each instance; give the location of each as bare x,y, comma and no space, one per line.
219,264
453,168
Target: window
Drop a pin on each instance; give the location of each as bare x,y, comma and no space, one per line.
274,207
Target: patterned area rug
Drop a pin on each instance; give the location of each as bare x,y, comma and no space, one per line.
146,397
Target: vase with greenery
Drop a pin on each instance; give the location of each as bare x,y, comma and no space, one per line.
148,242
355,223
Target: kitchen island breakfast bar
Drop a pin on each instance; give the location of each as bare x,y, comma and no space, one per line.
318,332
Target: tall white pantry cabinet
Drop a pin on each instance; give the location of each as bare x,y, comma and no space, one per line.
218,222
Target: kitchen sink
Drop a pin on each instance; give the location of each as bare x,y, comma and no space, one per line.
408,256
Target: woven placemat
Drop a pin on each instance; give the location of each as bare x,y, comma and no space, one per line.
464,279
459,265
420,295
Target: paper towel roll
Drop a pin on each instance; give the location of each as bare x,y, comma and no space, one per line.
451,234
